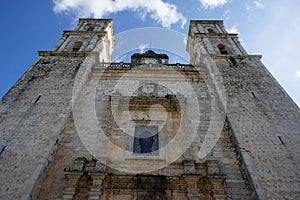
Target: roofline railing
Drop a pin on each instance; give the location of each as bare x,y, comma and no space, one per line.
124,65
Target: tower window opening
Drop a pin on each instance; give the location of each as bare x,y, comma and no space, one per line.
223,49
210,30
90,28
76,46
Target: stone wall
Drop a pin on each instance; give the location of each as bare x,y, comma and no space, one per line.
74,171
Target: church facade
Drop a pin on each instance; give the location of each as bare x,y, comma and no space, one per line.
77,126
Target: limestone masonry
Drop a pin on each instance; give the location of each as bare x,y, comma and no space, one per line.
77,126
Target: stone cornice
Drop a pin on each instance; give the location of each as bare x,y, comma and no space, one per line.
64,53
216,35
217,57
85,33
206,22
93,20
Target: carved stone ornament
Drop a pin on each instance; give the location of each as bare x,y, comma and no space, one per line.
100,167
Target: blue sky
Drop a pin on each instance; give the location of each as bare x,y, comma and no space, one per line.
268,28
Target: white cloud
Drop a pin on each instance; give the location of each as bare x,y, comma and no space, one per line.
247,7
259,4
298,74
233,29
213,3
142,47
185,40
226,14
163,13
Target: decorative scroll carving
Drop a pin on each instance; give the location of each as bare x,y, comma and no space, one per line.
100,167
189,168
212,167
189,163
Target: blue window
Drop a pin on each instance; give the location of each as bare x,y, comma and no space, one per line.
145,140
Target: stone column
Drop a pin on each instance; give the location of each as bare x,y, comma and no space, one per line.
218,189
95,189
177,194
217,180
192,190
70,189
169,194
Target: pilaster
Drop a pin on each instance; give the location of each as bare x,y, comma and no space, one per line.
95,189
70,189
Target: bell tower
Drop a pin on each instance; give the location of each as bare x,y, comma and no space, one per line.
90,35
35,111
263,121
207,37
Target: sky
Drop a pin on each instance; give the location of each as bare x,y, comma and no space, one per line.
266,27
